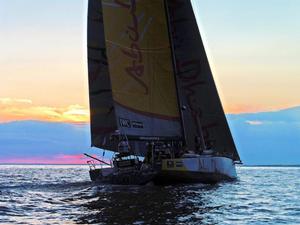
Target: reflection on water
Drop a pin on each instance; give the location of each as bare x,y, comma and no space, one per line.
151,204
64,195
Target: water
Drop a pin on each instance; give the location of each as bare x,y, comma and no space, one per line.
64,195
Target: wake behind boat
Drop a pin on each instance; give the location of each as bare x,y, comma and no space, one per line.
153,99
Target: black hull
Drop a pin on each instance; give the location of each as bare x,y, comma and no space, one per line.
130,178
95,174
161,178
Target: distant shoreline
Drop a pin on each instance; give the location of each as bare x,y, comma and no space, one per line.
42,164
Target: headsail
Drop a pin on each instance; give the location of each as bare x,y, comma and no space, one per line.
196,86
103,121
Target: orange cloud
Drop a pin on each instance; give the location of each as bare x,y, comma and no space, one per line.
10,101
243,108
24,109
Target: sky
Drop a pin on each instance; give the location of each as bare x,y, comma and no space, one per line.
266,138
43,60
253,48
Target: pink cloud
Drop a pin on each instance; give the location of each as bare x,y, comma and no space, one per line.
56,159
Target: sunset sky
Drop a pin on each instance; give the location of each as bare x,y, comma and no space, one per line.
253,47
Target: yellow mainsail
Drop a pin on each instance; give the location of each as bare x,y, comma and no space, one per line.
139,57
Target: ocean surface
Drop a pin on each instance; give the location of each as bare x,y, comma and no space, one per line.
64,195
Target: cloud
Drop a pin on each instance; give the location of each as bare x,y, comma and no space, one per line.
11,101
242,108
55,159
260,139
255,108
254,122
24,109
76,113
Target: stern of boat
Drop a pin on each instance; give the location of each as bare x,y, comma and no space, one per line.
204,169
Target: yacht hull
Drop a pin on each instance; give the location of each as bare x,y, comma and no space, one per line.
200,169
109,176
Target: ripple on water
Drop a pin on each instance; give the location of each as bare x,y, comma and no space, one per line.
64,195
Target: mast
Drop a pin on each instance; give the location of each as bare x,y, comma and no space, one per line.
200,137
175,71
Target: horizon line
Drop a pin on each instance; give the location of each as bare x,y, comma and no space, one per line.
53,164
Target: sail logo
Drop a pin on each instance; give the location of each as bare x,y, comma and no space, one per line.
133,52
124,122
137,124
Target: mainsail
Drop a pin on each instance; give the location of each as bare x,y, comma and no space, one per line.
203,114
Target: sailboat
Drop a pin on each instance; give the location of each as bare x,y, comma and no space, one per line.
153,99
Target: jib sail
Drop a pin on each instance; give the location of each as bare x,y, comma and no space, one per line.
102,113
